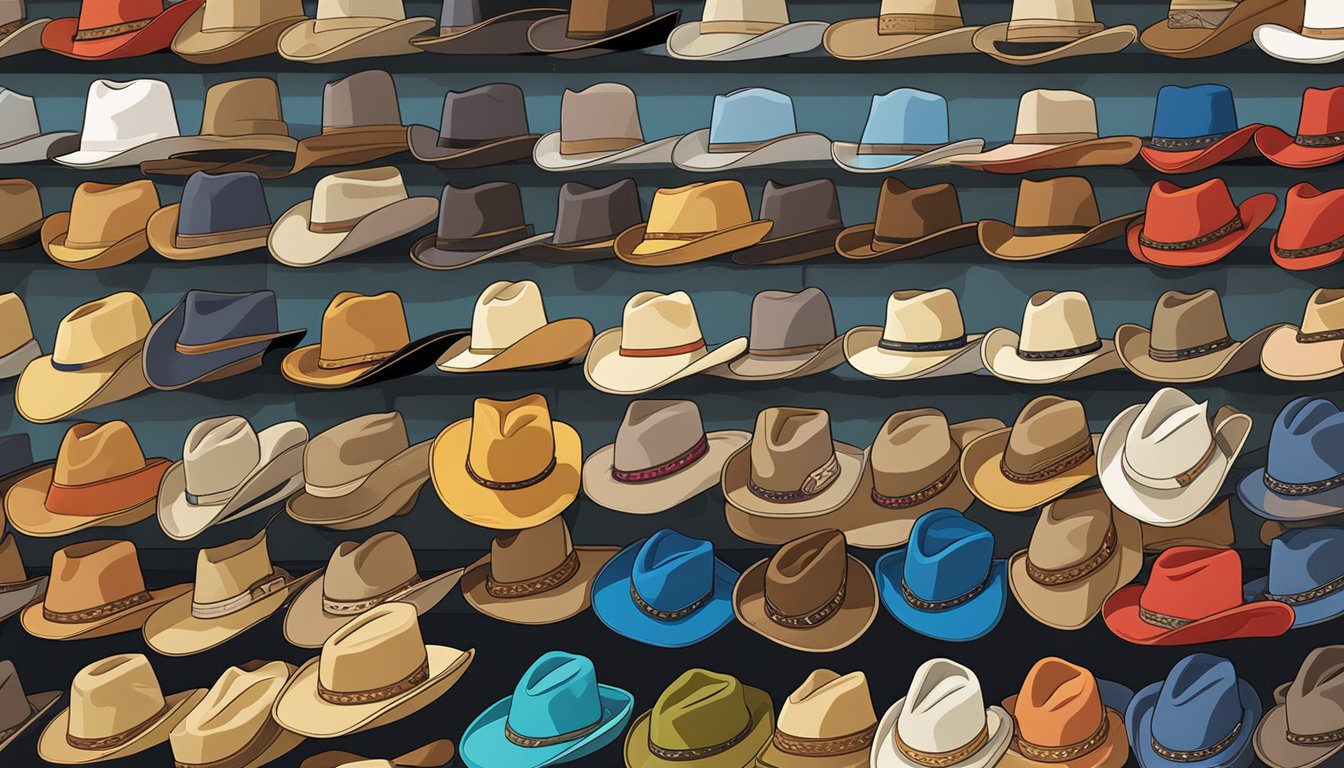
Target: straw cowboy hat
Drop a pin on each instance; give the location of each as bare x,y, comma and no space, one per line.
942,719
100,478
360,473
1053,216
353,29
509,466
127,123
748,128
791,467
1164,461
692,223
599,126
1061,716
1082,550
96,590
1318,40
1313,350
19,709
1189,341
359,576
18,348
658,342
1297,482
1058,343
436,754
740,30
21,217
222,31
792,335
828,720
805,219
104,227
464,29
702,720
375,670
1309,235
1050,30
228,471
1043,455
903,29
906,129
117,709
811,595
509,331
587,222
361,123
219,215
17,590
1195,226
923,336
349,212
365,339
480,127
1055,129
18,32
117,30
534,575
597,27
1201,713
1308,710
22,139
662,457
232,726
1195,29
476,224
911,223
236,588
1196,128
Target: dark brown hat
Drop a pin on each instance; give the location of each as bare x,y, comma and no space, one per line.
361,122
475,224
595,27
463,30
806,221
911,223
588,221
480,127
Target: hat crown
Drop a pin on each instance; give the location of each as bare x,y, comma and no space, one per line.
234,711
15,330
485,209
1171,435
905,214
343,198
219,454
484,114
378,649
557,695
700,709
1064,201
948,557
1323,14
1060,10
1304,559
1186,320
1297,452
457,14
1055,321
91,453
374,568
923,316
340,459
114,695
226,202
656,321
1071,530
1047,430
1194,112
792,450
505,313
654,432
783,320
210,317
1044,113
232,569
1176,215
1199,704
227,15
364,99
11,10
20,116
672,571
912,450
1324,312
1310,217
358,328
602,112
944,709
11,566
243,107
332,12
711,206
526,554
768,14
118,116
589,215
749,116
796,209
1315,700
1322,111
96,15
511,440
827,706
907,116
806,573
93,574
14,706
1059,704
1193,582
103,214
595,18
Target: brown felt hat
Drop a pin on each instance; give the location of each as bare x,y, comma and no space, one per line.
1188,342
222,31
1046,452
911,223
1053,216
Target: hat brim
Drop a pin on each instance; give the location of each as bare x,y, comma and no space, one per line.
846,155
547,607
1291,45
999,356
301,365
19,595
1272,745
692,152
551,36
1143,709
659,495
22,236
39,704
157,149
1281,148
863,353
614,606
423,142
45,394
161,233
1015,158
193,43
548,156
1289,509
59,36
549,252
428,255
673,253
307,625
981,468
1235,146
1235,31
687,42
485,741
1305,613
23,40
389,490
761,714
505,34
1303,263
374,38
57,226
1254,212
860,40
557,343
436,754
1260,619
25,503
53,747
610,372
737,472
993,40
13,363
966,621
1286,358
790,249
166,368
846,625
1113,752
886,753
294,244
999,241
1133,344
857,242
37,625
355,147
754,367
172,630
40,148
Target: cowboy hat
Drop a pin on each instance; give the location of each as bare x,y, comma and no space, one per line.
210,336
117,30
18,32
1304,566
1319,39
1201,714
361,123
464,30
1298,731
349,212
243,126
127,123
1196,128
906,129
19,709
1298,482
692,223
18,348
587,223
1318,139
791,468
475,224
748,128
827,721
1049,30
1309,234
509,331
1194,30
17,591
232,726
1062,710
1044,454
597,27
21,136
600,126
1058,343
1054,216
805,219
923,337
903,29
353,29
439,753
1195,226
792,335
1055,129
104,227
702,720
740,30
1189,341
483,126
911,223
1313,350
228,471
943,715
220,215
223,31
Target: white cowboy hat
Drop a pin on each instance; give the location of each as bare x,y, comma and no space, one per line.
1320,40
943,715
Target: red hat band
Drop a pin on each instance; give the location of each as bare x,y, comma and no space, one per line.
1191,583
1321,123
1181,219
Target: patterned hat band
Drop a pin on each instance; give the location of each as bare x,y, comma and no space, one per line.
1068,461
98,612
1190,353
698,753
417,677
1316,593
812,618
1320,139
530,742
1233,226
815,484
1162,620
942,759
839,745
666,469
333,607
916,601
513,485
104,743
661,615
918,497
1315,739
1058,577
1182,480
1067,752
1302,489
504,590
1308,252
1197,755
1172,144
1059,354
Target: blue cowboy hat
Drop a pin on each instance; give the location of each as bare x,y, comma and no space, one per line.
1201,716
1304,475
1195,128
209,336
1306,571
668,590
945,583
906,128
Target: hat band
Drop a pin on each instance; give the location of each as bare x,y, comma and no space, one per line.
1181,480
680,349
8,29
942,345
223,344
1058,354
1323,34
741,146
1155,619
485,241
660,615
918,497
738,27
1186,143
599,34
348,698
512,485
1197,755
333,227
87,615
816,483
1320,140
17,586
328,364
1049,30
1052,229
812,618
1058,577
1235,225
93,499
1336,334
260,589
943,605
667,468
1313,739
896,149
698,753
839,745
1072,137
220,238
1070,460
1298,598
113,358
1064,753
6,733
113,30
334,607
505,590
1302,489
1315,250
1188,353
117,739
942,759
532,742
1182,18
605,144
916,23
334,491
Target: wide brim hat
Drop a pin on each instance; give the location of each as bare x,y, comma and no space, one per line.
1266,618
172,629
862,351
193,43
301,365
614,374
37,625
57,227
25,504
22,236
388,491
39,704
1254,211
1113,752
59,34
962,622
12,364
742,752
307,625
45,394
856,242
1237,752
757,367
354,146
1233,146
551,36
705,246
426,253
999,241
859,39
497,35
1296,263
1018,158
846,155
546,154
998,354
614,604
19,595
687,42
981,468
1133,344
53,747
166,368
737,473
692,152
1233,32
1108,40
487,735
652,496
423,142
293,244
161,233
1284,357
845,625
27,37
1265,503
157,149
369,38
1273,742
546,607
790,249
998,733
1281,148
38,149
1287,44
556,343
1306,613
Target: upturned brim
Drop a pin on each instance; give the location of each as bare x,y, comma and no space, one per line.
790,249
981,468
999,355
40,148
1260,619
1113,752
1281,148
1254,212
39,704
659,495
548,157
857,242
1235,146
742,753
993,38
301,365
1235,31
57,226
1287,44
551,36
53,747
692,152
546,607
45,394
25,503
389,490
59,36
307,625
737,473
161,234
157,149
1017,158
688,42
374,38
293,243
172,630
37,625
966,621
354,147
886,752
486,742
608,371
193,43
704,247
1274,745
860,40
1306,613
423,142
1134,345
846,155
1284,357
505,34
846,625
24,39
998,240
756,367
863,353
557,343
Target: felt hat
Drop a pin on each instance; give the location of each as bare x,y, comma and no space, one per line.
1195,128
911,223
18,32
510,331
942,719
792,335
1300,731
1195,226
1189,341
361,123
128,123
243,126
117,30
1055,129
1049,30
827,721
1058,343
1212,528
219,215
232,726
465,30
692,223
1063,716
805,219
597,27
906,129
1053,216
476,224
923,336
222,31
18,348
599,126
741,30
587,222
1046,452
749,127
1299,481
104,227
1194,30
702,720
903,29
210,336
1202,714
1305,572
1309,235
20,710
483,126
353,29
791,468
1319,39
22,139
1313,350
1318,141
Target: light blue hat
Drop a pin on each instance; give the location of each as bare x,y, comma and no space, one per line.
749,127
907,128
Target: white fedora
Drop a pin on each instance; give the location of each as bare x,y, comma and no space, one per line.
924,336
128,123
1319,41
1058,343
738,30
942,721
599,126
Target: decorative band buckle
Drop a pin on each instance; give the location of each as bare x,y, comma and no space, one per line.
1070,460
1162,620
333,607
918,497
945,345
1065,753
698,753
1059,354
1056,577
814,485
1198,755
1187,353
504,590
1315,250
812,619
1172,144
667,468
114,30
942,605
840,745
344,698
117,739
1235,225
661,615
513,485
97,612
531,742
942,759
1298,598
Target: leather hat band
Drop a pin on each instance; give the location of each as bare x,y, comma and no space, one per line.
328,364
346,698
839,745
1187,353
918,497
661,615
1335,334
738,27
1170,144
943,345
1052,229
1065,753
513,485
485,241
220,238
97,612
896,149
811,619
334,607
680,349
117,739
1198,755
1323,34
1314,739
1298,598
589,146
1235,225
943,605
816,483
530,742
667,468
1068,461
1155,619
1057,577
113,30
503,590
1320,139
942,759
223,344
698,753
1302,489
916,23
1315,250
1059,354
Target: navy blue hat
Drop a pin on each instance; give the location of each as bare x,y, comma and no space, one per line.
1195,128
219,215
1306,571
1304,475
16,453
945,583
668,590
210,336
1201,716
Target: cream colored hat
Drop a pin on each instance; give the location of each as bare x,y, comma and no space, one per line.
903,29
1320,40
942,722
599,126
128,123
232,727
658,342
509,331
830,715
1055,129
924,336
354,29
1058,343
1308,352
18,348
1047,30
739,30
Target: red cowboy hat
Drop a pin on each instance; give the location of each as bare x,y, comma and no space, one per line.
1236,145
1320,132
1311,234
1193,595
117,29
1195,226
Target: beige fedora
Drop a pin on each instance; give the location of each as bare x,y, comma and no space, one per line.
1048,30
942,723
662,457
1308,352
241,116
359,576
232,727
18,348
692,223
792,335
828,722
229,470
600,126
535,575
17,590
1082,550
104,227
236,588
354,29
658,342
903,29
221,31
373,671
1055,129
1053,216
510,331
741,30
95,360
20,710
1044,454
117,709
350,211
360,473
791,467
923,336
1058,343
1188,342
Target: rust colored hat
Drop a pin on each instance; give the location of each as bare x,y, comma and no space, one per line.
1320,130
361,122
811,595
221,31
1060,719
117,30
1189,341
1313,350
1046,452
1195,226
1194,29
1311,233
595,27
1053,216
911,223
791,468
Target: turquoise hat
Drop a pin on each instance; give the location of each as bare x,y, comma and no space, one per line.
907,128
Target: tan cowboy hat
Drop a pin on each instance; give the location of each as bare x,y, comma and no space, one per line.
1055,129
20,710
1058,343
658,342
792,335
510,331
692,223
924,336
599,126
1053,216
21,33
535,575
1195,29
17,590
359,576
1189,341
360,473
117,709
829,713
791,468
1082,550
1046,452
911,223
104,227
373,671
1313,350
354,29
702,720
236,588
903,29
21,216
509,466
221,31
232,726
1049,30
